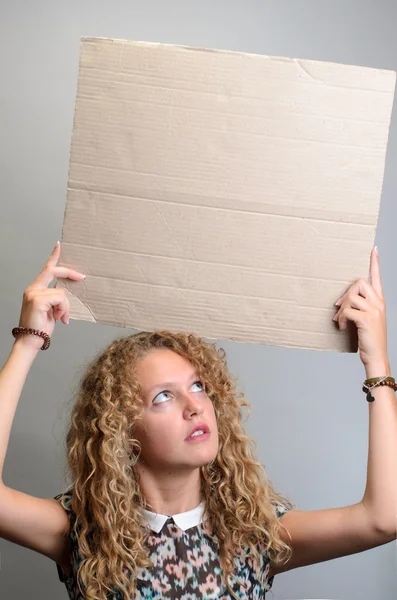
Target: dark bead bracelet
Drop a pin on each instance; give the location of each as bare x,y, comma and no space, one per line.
370,384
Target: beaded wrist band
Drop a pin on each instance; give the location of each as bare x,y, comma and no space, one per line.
370,384
25,330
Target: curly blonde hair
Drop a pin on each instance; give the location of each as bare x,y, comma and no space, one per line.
101,453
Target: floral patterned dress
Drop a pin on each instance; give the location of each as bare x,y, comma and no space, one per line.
185,562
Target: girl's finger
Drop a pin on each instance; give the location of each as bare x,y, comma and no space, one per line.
59,302
350,314
361,287
376,281
67,273
355,301
46,300
49,273
61,315
54,256
45,277
47,296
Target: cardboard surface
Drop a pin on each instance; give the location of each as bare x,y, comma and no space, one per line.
231,195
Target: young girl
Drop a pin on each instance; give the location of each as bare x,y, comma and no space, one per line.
167,499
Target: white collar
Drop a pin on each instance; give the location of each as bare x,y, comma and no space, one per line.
184,520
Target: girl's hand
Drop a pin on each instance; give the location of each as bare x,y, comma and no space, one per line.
363,303
41,305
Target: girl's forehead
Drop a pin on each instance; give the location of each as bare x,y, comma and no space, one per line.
164,358
163,365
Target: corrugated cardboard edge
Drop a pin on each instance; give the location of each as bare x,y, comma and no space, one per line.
236,52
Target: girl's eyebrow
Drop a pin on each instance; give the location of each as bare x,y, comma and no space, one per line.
169,383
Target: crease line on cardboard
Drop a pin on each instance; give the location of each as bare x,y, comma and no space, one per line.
267,136
94,99
170,228
102,70
217,293
311,227
196,260
307,72
117,196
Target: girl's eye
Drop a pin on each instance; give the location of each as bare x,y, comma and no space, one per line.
202,386
158,395
167,393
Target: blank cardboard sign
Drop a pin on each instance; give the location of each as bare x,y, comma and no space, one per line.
230,195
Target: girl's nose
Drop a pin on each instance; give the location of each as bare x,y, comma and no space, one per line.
193,406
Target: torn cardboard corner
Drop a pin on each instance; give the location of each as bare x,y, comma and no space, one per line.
231,195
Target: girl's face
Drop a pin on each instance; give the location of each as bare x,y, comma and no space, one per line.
174,403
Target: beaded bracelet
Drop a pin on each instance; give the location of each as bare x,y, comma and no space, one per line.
24,330
370,384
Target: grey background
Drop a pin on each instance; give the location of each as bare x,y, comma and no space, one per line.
313,438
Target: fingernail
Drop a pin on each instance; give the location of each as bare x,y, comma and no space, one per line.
57,244
376,250
337,302
67,322
83,276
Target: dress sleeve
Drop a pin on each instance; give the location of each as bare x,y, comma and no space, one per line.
280,510
65,499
